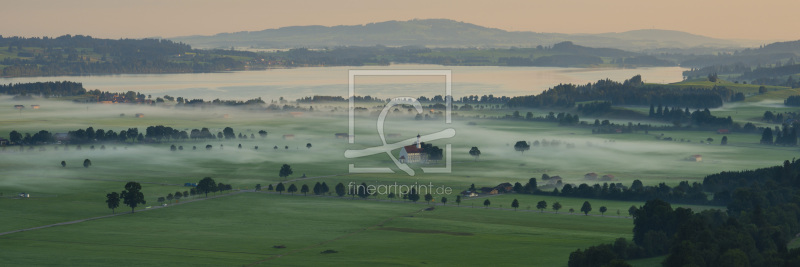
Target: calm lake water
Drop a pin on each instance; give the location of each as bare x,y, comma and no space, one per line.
299,82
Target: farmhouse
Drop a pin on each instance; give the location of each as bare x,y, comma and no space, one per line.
469,194
607,177
695,158
3,141
504,187
288,137
19,106
412,153
35,106
489,190
590,176
140,115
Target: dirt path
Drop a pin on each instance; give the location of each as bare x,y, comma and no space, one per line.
120,214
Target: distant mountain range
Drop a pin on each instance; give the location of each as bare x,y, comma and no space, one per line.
449,33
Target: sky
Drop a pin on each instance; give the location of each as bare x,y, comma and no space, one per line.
729,19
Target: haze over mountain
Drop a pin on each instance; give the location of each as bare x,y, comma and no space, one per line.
448,33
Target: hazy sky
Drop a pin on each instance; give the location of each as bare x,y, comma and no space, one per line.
733,19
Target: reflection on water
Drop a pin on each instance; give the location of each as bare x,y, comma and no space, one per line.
295,83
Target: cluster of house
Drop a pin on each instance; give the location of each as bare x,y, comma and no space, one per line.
499,189
23,106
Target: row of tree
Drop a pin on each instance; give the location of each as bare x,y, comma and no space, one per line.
157,133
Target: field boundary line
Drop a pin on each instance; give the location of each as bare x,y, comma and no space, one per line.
116,214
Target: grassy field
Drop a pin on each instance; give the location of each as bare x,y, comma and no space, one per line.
241,230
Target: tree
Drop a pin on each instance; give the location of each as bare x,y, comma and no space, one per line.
170,197
632,210
340,190
285,171
258,187
325,188
63,164
161,200
208,147
228,133
515,204
444,201
413,195
475,152
262,133
173,148
304,189
361,191
762,89
428,198
586,208
280,188
541,205
15,137
112,199
206,185
270,188
522,146
178,195
486,203
391,196
317,189
292,189
724,140
458,200
87,163
556,206
132,195
308,145
766,136
571,210
603,210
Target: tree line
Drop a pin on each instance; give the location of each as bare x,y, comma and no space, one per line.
156,133
45,89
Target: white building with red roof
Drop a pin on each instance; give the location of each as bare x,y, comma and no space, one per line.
412,153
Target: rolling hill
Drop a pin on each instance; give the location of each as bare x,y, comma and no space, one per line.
444,33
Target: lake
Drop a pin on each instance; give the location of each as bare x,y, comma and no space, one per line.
299,82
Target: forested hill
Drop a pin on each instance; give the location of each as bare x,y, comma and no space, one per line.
84,55
629,92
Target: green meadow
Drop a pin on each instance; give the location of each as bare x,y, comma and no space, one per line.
241,229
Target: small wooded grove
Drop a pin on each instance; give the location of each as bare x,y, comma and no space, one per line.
762,216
